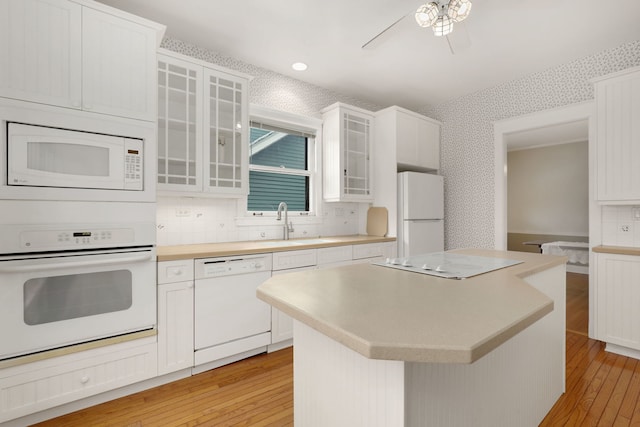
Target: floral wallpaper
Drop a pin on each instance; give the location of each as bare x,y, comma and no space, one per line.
467,152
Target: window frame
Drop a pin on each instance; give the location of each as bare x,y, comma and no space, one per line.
296,123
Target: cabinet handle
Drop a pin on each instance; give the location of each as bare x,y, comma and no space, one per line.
84,379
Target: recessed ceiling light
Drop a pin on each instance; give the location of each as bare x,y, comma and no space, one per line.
299,66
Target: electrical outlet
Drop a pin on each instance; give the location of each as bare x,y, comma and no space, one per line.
625,228
183,212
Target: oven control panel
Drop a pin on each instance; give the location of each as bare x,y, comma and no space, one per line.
61,239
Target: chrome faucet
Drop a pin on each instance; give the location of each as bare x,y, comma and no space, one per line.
288,226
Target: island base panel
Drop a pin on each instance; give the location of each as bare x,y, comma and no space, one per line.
515,384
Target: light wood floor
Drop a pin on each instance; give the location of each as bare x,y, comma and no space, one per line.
603,389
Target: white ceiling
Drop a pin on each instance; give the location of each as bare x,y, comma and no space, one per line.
408,66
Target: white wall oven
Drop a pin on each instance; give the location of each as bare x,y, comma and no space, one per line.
56,299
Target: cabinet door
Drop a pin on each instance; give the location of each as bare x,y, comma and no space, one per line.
175,327
618,299
40,51
282,324
226,128
356,152
428,144
618,138
118,66
179,125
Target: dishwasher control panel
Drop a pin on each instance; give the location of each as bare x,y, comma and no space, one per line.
232,265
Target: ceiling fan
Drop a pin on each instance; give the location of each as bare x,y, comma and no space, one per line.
440,15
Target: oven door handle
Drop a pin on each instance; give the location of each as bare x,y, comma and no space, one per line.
73,264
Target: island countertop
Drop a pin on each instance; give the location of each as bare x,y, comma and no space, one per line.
389,314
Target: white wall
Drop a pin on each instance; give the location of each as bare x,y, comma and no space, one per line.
216,220
467,154
548,190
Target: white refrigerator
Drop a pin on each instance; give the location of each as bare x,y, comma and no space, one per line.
420,213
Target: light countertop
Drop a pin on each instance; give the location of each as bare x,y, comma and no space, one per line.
389,314
620,250
208,250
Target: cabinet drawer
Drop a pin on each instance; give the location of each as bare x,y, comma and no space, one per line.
175,271
372,250
42,385
335,254
294,259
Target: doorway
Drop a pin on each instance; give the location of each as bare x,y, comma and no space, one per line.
517,133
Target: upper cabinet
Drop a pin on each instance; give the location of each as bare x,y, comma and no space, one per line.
416,138
347,141
61,53
202,128
618,137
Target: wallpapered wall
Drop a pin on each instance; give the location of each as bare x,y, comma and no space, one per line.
206,220
467,152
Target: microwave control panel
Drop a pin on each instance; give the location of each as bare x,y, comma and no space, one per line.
64,239
133,164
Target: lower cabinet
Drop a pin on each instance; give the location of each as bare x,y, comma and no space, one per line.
618,299
175,316
373,252
175,327
29,388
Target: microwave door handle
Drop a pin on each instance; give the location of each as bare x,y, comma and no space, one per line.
73,264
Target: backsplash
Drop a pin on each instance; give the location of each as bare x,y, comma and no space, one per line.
621,226
189,220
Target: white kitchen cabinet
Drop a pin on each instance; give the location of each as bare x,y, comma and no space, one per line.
37,65
288,262
175,316
368,252
226,129
179,125
36,386
335,256
282,324
416,138
61,53
618,299
118,66
203,127
347,138
618,137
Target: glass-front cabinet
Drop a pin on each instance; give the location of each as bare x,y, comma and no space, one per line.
179,125
202,128
226,126
347,139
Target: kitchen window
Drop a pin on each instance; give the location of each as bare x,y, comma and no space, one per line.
281,165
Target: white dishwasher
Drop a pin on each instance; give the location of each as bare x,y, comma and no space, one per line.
231,323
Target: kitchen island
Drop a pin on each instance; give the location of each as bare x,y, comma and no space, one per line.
376,346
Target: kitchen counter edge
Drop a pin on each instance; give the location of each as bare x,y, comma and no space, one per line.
619,250
210,250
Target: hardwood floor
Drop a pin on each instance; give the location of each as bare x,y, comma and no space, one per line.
578,303
254,392
602,389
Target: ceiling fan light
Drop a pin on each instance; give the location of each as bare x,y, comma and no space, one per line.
427,14
443,26
458,10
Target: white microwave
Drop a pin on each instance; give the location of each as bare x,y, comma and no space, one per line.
39,156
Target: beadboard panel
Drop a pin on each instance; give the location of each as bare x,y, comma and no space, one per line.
460,395
362,392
